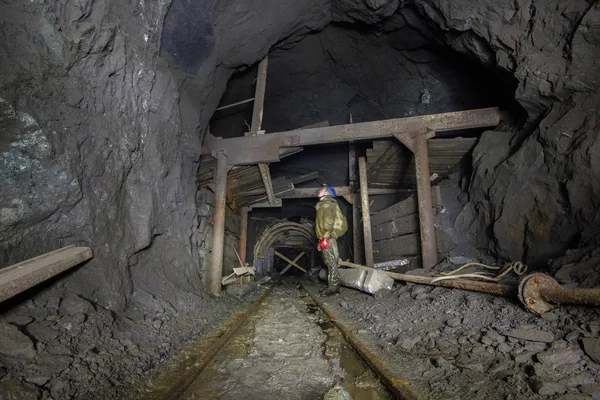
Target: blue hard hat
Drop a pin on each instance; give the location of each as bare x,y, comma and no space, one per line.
331,190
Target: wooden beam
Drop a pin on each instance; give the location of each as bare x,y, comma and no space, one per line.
19,277
257,117
262,148
427,229
278,203
341,191
366,216
259,96
215,269
290,264
304,178
243,234
284,258
239,103
357,245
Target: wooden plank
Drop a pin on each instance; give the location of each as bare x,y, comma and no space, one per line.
19,277
366,216
341,191
425,204
215,269
406,245
397,227
290,265
389,155
357,245
259,96
284,258
235,104
404,208
304,178
243,234
416,126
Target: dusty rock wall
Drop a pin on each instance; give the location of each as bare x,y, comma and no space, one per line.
535,193
122,129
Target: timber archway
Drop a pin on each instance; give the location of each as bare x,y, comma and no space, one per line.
285,234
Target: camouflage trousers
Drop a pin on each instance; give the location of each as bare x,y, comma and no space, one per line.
331,257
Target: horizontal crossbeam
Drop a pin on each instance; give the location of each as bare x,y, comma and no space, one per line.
265,148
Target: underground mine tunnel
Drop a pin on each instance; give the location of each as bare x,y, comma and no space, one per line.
170,169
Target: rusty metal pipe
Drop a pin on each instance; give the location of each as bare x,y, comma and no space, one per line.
541,293
590,297
464,284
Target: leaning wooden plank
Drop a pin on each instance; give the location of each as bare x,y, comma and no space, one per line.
24,275
290,264
407,245
304,178
284,258
417,125
397,227
404,208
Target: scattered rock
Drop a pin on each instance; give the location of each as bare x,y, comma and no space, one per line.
38,380
592,348
19,320
592,389
42,331
72,305
239,290
547,388
454,322
550,317
531,335
557,357
13,343
504,348
408,343
344,304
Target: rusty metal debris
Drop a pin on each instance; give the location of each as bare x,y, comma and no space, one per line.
538,292
541,293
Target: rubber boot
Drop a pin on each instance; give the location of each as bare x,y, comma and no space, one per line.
329,292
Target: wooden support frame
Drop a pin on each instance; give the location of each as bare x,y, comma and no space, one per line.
366,216
19,277
283,271
284,258
357,247
257,117
426,217
243,234
341,191
215,270
265,148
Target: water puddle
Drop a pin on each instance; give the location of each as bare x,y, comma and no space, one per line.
359,381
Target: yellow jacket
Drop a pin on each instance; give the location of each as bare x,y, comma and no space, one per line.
330,223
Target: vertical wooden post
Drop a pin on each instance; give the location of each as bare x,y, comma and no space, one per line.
243,233
257,118
356,234
216,267
364,199
428,245
259,96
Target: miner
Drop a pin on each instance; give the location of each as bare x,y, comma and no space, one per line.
330,225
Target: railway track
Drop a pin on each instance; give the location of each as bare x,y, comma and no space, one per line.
285,344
